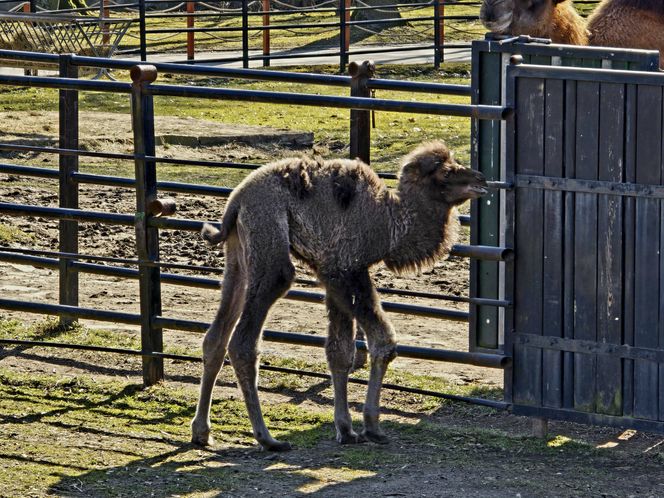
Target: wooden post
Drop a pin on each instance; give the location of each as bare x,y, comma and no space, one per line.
266,32
344,34
540,427
347,26
191,42
105,14
147,238
360,121
438,32
68,188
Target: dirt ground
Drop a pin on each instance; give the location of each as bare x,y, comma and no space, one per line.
454,465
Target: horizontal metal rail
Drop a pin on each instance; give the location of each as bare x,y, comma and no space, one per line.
254,74
32,257
115,155
479,252
498,405
66,214
208,283
65,83
488,112
478,359
465,110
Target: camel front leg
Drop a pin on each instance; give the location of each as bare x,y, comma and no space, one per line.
382,349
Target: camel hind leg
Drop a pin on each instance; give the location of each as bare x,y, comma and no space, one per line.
340,349
217,337
270,273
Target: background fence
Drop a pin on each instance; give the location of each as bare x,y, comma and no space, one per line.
267,30
149,221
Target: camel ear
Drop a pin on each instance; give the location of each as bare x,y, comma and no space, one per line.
421,166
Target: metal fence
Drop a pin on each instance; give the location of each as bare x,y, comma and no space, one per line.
261,18
147,220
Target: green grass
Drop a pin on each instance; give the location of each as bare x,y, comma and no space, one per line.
394,136
74,434
283,39
9,234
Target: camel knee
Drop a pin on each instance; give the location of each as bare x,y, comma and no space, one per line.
340,355
383,347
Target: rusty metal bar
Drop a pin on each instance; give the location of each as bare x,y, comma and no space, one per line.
191,42
266,33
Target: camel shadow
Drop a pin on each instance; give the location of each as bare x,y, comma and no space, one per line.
317,466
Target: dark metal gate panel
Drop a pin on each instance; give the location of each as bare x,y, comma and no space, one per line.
585,151
488,155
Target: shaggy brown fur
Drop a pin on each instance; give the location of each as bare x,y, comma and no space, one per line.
629,24
339,218
554,19
615,23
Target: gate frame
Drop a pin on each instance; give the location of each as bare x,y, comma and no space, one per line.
572,346
490,58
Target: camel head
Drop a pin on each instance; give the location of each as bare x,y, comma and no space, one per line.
432,171
496,15
518,17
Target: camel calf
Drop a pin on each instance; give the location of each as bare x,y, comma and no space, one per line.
339,218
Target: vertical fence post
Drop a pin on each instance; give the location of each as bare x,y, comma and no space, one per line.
344,34
360,121
147,238
141,27
68,188
191,42
438,32
266,32
245,33
105,13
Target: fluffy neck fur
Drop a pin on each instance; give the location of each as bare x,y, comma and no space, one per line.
422,232
568,26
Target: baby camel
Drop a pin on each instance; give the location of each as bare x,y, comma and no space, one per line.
339,218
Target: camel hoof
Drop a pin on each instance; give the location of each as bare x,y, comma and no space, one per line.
277,446
202,440
375,437
351,438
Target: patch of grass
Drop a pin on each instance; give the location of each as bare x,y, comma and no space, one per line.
112,436
10,234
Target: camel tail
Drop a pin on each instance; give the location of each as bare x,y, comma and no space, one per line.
215,235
